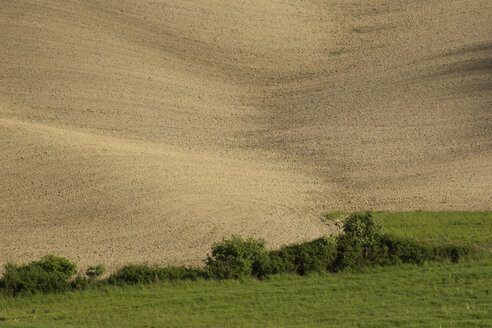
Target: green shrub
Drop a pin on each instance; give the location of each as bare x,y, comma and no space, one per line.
81,282
57,265
314,256
363,244
50,274
350,255
359,245
180,273
395,250
144,274
94,271
362,229
236,257
134,274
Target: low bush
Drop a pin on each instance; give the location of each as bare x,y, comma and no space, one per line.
236,257
57,265
136,274
81,282
361,229
359,245
94,271
314,256
50,274
393,250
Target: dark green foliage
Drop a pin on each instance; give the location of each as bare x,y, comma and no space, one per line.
361,229
83,283
394,250
236,257
94,271
136,274
359,245
350,255
50,274
314,256
57,265
362,245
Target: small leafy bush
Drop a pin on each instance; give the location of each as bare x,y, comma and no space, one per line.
394,250
50,274
57,265
137,274
134,274
359,245
318,255
236,257
81,282
362,229
182,273
94,271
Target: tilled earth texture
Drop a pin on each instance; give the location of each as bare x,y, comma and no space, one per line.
144,131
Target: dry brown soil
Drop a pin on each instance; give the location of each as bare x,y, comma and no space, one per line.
143,131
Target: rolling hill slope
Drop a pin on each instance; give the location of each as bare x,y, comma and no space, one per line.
146,130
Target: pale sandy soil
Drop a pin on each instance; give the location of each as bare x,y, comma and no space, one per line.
143,131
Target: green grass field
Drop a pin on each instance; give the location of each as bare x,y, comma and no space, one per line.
465,228
433,295
430,296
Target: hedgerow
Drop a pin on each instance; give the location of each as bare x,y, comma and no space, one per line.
362,244
138,274
314,256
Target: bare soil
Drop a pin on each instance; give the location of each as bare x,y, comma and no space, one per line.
143,131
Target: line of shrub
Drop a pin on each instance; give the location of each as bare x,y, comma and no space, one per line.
361,245
136,274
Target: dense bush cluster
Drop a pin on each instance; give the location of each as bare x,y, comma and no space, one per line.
361,245
50,274
235,258
314,256
135,274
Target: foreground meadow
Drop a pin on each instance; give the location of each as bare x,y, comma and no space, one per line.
431,296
